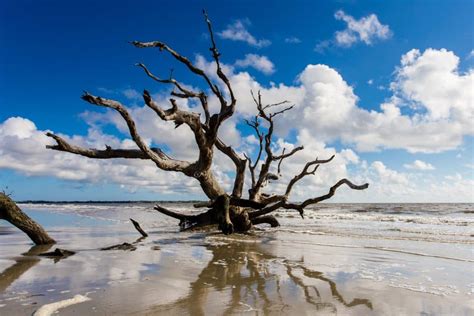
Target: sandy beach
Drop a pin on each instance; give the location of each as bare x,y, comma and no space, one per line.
377,262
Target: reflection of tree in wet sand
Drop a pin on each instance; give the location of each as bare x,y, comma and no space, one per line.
243,278
21,265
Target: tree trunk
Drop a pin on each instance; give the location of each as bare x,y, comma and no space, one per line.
228,218
10,212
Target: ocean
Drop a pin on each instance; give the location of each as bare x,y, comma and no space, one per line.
345,259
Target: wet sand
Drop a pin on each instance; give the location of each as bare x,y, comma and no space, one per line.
271,271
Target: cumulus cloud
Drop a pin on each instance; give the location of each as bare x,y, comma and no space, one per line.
261,63
440,99
431,79
292,40
471,54
237,31
389,175
132,94
419,165
23,148
366,29
326,109
322,46
326,105
389,185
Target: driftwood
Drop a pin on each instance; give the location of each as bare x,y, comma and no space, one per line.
58,254
138,228
124,246
10,212
229,210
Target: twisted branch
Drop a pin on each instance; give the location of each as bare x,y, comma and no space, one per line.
185,93
108,153
164,164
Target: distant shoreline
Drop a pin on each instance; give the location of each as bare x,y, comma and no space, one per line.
105,202
200,201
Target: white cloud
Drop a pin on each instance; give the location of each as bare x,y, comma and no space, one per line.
419,165
444,106
326,109
370,82
237,31
292,40
326,105
23,148
261,63
470,55
322,46
389,175
366,29
432,80
388,185
132,94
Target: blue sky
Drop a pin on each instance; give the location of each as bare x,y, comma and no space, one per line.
399,72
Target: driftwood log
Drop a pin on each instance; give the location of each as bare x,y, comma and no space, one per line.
10,212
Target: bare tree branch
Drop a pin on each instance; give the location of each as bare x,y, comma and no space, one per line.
256,126
188,93
331,192
185,93
239,163
283,156
272,115
226,111
300,206
185,61
165,164
264,174
306,172
108,153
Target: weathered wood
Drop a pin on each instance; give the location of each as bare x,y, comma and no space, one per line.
137,227
228,218
267,219
124,246
58,254
10,212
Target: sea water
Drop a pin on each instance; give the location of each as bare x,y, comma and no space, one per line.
360,259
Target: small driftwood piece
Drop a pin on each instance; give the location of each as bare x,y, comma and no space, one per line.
137,227
124,246
58,254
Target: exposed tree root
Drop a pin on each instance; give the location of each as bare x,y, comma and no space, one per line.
266,219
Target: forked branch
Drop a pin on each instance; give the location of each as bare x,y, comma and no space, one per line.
301,206
164,164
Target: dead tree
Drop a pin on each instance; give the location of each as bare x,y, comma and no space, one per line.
229,210
10,212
